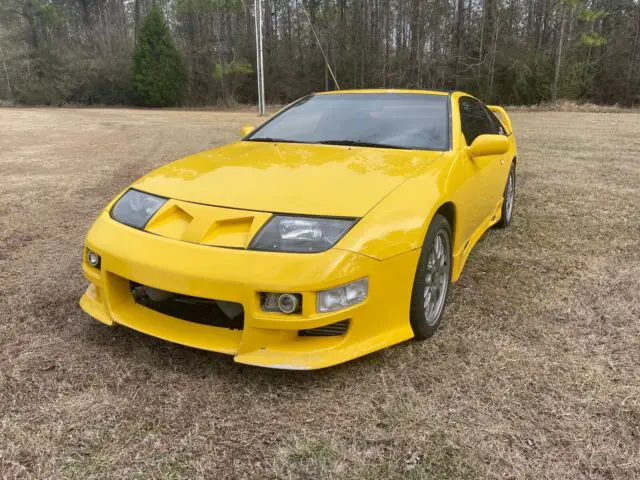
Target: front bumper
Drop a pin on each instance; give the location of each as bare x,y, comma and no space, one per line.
267,339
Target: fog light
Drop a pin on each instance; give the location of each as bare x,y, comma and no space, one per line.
288,303
281,302
93,259
343,297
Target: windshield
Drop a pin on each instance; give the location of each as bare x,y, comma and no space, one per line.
414,121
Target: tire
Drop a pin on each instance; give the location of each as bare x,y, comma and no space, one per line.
508,199
437,268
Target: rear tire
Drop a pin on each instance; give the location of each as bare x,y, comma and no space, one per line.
431,283
508,199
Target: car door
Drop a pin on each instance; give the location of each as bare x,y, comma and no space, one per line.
498,178
488,182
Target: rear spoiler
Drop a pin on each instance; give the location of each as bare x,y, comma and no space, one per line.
502,116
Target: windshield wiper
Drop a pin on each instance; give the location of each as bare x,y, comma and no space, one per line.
347,143
358,143
271,140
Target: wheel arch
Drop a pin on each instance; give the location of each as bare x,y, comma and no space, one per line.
448,211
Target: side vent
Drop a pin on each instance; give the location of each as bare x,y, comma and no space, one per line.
332,330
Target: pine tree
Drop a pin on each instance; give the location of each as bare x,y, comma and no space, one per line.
158,72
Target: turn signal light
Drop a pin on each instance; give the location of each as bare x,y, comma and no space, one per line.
343,296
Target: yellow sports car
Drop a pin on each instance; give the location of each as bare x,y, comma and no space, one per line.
331,231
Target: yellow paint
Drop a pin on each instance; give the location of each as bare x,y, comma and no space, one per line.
246,130
386,90
502,116
488,145
287,177
196,243
206,224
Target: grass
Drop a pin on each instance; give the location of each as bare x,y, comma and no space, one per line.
573,106
533,375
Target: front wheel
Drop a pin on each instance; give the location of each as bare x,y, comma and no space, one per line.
431,283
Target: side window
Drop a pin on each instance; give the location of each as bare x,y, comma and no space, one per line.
475,119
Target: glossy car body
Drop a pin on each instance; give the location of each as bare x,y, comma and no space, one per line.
196,245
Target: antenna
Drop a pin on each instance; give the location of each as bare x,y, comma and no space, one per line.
326,60
259,58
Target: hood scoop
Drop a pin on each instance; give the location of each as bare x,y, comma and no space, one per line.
206,225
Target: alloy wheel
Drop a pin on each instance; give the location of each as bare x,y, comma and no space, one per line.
437,278
509,195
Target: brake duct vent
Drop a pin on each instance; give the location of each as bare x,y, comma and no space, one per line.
332,330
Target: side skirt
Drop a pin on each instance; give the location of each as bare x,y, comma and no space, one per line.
460,258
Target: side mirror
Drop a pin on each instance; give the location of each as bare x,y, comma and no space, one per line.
246,130
488,145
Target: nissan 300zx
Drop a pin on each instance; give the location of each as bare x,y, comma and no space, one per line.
331,231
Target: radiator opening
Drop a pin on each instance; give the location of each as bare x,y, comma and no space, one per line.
204,311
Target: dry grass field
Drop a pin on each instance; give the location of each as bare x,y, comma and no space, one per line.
535,373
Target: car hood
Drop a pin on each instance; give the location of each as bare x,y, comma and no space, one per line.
287,178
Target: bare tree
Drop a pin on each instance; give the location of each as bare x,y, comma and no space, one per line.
510,51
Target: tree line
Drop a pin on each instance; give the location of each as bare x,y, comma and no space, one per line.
509,51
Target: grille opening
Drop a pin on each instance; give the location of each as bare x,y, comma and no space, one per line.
332,330
204,311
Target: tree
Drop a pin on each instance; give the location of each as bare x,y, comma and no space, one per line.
158,72
505,51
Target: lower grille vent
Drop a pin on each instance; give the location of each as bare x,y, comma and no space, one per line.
332,330
203,311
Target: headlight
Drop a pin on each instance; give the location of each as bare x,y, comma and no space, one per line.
136,208
300,234
343,297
